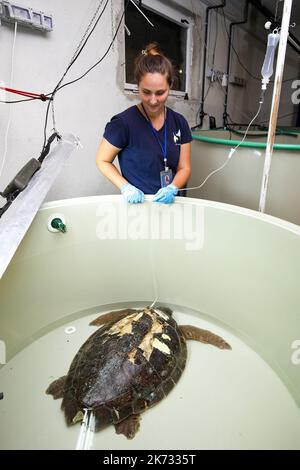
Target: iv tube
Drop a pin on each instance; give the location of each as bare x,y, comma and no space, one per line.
267,68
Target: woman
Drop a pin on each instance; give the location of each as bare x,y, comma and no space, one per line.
152,141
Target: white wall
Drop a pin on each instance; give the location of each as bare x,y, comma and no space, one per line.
85,107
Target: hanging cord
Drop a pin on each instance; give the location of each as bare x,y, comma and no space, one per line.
231,151
77,52
47,146
22,178
59,86
102,58
50,96
211,67
10,110
276,10
87,34
112,23
142,13
18,101
53,116
25,174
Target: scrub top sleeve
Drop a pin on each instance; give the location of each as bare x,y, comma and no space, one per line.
186,135
116,132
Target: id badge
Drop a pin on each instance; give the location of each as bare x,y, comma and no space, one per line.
166,177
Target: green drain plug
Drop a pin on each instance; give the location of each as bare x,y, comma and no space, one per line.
57,224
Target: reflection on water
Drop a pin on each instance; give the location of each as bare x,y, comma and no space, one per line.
223,400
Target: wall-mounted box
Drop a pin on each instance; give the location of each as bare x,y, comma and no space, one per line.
13,12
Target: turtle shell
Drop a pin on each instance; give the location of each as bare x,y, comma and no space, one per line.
125,367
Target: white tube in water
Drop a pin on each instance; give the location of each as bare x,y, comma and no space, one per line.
15,222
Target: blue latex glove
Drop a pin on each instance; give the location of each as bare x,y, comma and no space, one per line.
166,195
132,194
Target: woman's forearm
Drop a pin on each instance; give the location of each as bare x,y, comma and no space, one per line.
112,173
181,178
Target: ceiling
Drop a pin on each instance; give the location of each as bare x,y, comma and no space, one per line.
236,6
234,11
271,5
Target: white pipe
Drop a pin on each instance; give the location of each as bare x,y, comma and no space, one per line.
284,33
15,222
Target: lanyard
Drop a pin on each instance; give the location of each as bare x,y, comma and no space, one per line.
155,132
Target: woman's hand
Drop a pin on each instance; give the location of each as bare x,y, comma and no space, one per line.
132,194
166,195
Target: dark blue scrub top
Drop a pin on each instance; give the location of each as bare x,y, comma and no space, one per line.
141,159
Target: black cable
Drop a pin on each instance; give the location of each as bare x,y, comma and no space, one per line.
19,101
287,80
102,58
261,134
280,117
69,66
57,88
242,65
23,177
212,66
46,145
81,49
52,94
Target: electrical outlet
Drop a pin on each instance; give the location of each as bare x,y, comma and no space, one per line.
235,80
214,74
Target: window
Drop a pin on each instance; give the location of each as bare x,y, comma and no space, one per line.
171,30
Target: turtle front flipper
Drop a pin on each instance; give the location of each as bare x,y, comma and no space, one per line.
56,388
129,426
112,316
204,336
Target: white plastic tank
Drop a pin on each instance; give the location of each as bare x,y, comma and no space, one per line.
239,182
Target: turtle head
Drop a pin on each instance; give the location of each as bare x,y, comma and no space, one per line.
165,310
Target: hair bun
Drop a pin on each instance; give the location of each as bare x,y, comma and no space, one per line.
152,60
152,49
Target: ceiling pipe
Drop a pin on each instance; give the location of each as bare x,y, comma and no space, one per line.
207,12
235,23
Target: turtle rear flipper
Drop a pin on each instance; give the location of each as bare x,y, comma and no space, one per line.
129,426
56,388
112,316
204,336
73,412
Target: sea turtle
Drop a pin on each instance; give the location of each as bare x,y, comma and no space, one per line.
126,366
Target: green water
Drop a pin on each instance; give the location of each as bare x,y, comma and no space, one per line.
224,400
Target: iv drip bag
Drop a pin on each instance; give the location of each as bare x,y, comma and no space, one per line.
267,68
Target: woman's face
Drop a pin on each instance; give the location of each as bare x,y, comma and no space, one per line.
154,90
